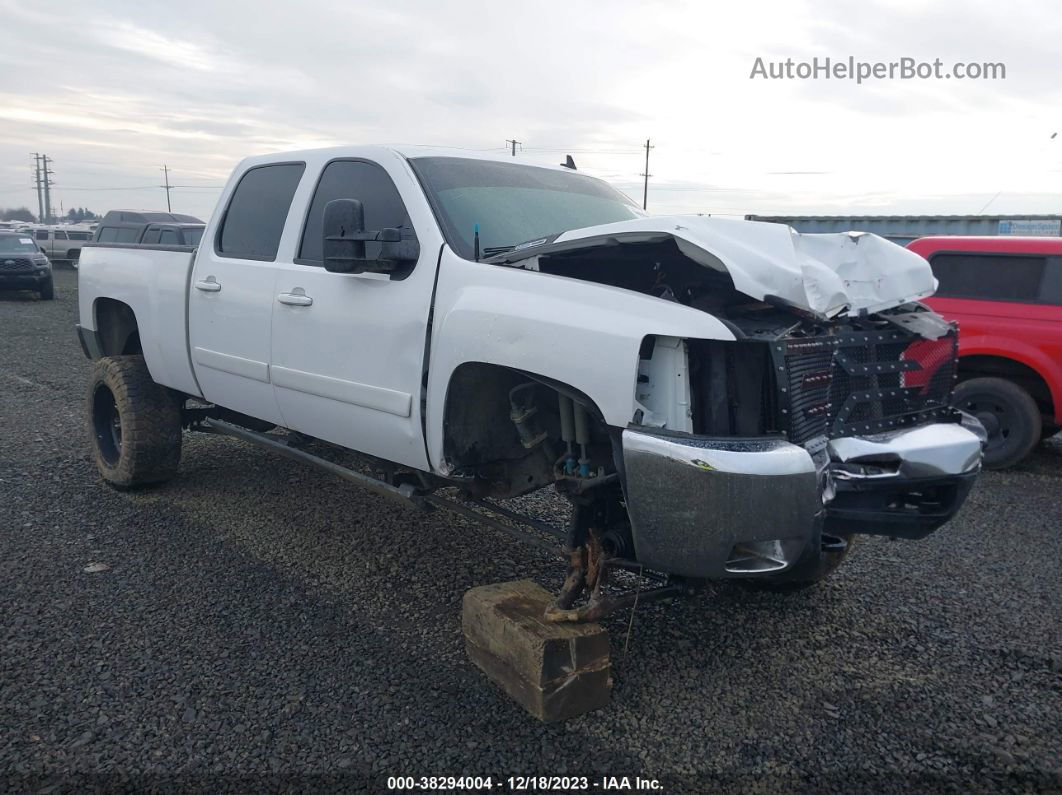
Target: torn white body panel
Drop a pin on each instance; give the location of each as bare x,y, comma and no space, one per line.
828,274
663,389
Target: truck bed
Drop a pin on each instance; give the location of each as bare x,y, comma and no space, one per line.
153,280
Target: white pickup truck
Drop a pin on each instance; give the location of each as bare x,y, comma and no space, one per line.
718,398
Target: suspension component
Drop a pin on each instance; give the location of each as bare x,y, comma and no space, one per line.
589,567
522,413
567,421
582,437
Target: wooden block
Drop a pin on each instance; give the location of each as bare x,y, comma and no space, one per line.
554,671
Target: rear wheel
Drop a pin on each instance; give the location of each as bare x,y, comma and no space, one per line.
47,289
134,423
1009,414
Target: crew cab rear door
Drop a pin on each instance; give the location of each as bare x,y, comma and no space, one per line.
231,297
349,349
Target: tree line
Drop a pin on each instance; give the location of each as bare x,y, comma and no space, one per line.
73,215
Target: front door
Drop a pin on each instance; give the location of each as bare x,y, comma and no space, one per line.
230,305
348,349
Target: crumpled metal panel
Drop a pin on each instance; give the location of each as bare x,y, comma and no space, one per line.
691,499
822,273
928,451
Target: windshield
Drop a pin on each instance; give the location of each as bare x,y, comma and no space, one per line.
17,244
513,203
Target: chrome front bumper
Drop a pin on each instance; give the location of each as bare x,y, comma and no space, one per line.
720,508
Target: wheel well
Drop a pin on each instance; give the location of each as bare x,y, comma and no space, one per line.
480,437
117,328
982,366
74,253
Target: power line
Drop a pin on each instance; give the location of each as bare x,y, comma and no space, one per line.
47,179
646,174
659,189
166,171
116,187
446,146
130,187
575,151
37,183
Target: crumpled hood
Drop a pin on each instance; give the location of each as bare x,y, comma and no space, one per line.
824,273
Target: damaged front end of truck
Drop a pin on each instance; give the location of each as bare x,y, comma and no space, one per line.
825,415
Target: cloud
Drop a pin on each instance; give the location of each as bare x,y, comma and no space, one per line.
199,85
148,43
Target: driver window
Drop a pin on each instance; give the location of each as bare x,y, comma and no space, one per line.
352,179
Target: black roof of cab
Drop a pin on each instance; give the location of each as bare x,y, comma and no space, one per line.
134,226
145,217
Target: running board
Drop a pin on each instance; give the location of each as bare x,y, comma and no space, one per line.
405,493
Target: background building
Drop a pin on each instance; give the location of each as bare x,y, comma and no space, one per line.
903,229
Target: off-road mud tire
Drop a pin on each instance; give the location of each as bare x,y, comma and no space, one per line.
134,423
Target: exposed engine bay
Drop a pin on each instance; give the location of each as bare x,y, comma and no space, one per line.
790,371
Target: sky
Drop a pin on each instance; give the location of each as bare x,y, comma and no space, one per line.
114,89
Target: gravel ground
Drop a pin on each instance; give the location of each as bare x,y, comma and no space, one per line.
262,626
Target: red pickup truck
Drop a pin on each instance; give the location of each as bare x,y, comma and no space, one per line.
1006,294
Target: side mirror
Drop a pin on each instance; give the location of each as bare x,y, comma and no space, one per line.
345,238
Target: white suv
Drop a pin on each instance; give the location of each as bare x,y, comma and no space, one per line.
62,244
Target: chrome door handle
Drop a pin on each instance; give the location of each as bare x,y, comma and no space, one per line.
295,298
208,285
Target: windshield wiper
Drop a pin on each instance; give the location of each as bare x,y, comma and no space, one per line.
492,251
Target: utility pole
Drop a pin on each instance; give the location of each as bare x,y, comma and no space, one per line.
645,190
47,179
37,184
514,142
166,170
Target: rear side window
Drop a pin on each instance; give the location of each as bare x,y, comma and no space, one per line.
151,235
60,235
192,237
127,235
108,234
168,238
80,235
989,277
1051,288
256,213
42,234
353,179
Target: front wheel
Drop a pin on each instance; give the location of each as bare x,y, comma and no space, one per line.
134,423
1009,414
47,289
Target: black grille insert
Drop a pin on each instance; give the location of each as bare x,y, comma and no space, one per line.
15,263
858,382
